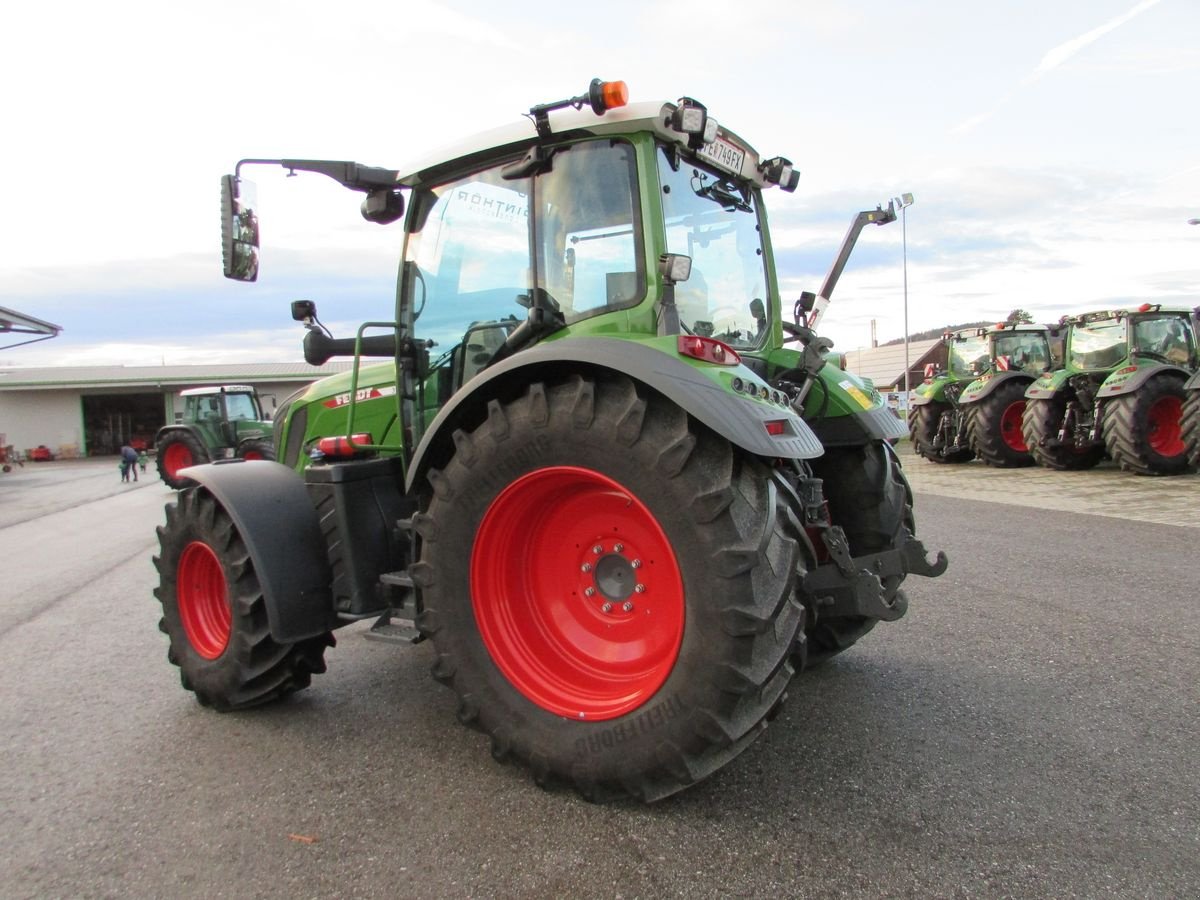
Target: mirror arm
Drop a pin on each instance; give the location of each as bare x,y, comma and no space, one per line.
352,175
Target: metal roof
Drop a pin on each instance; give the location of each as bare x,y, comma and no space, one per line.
12,378
885,365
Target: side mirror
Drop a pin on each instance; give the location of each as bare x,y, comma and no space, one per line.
303,310
239,229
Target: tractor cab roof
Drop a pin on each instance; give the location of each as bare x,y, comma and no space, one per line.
218,389
727,150
1105,315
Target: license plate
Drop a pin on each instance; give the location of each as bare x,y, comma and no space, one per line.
724,154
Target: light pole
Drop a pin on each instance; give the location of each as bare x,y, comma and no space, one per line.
904,201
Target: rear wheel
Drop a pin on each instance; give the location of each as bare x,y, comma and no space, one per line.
994,426
215,615
1143,431
1040,425
1191,426
869,498
932,428
178,450
627,608
256,450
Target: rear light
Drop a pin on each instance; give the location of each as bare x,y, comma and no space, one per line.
1145,307
776,426
341,447
708,349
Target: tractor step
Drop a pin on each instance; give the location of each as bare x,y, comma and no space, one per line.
395,630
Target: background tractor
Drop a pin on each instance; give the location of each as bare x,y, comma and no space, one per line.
219,422
622,497
1121,392
973,405
1191,419
994,403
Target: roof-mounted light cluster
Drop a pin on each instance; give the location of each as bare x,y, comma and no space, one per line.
691,118
780,171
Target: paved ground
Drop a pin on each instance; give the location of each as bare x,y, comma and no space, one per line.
1029,729
1102,491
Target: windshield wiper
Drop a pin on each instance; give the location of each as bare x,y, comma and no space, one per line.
725,194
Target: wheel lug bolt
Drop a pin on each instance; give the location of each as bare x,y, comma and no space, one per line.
607,607
640,588
617,548
637,563
627,606
598,549
586,567
589,592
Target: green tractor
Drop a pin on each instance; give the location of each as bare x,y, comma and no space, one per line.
994,403
619,494
1121,392
222,422
972,406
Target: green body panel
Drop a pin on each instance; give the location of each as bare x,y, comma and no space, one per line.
932,391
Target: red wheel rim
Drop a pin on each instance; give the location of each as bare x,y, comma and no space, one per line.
1010,427
577,593
177,456
203,600
1163,430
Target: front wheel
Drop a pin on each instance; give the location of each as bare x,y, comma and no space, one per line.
1191,427
934,431
256,450
1143,431
215,616
611,590
994,427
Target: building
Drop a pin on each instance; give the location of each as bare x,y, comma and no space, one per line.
885,365
93,410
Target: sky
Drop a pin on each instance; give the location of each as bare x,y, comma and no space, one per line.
1052,148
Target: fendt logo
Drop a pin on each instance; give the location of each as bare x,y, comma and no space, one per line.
372,393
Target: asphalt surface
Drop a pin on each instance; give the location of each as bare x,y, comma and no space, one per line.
1029,729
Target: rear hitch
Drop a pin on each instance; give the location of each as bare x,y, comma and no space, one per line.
853,585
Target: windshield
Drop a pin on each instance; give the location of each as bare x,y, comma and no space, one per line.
1023,351
711,219
1166,338
969,355
1097,345
240,406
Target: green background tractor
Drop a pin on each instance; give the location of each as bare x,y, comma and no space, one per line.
219,422
622,497
1191,419
994,403
1121,392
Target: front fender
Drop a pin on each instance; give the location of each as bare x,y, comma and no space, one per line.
1128,379
987,384
704,393
269,504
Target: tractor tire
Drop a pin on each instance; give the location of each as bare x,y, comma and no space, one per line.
1143,431
1191,427
1041,422
215,616
923,422
994,427
610,588
176,451
256,450
870,499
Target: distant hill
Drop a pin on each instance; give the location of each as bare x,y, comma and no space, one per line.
938,332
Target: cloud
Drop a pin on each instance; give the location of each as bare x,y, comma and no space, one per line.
1054,58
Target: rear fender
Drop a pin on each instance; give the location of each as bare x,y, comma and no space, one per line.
849,411
986,384
1193,383
270,506
933,391
1128,379
700,392
1047,385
